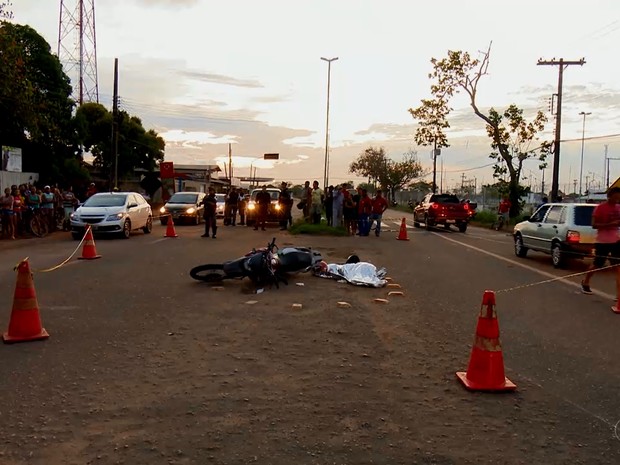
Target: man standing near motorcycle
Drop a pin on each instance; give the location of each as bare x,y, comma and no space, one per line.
263,200
284,200
210,203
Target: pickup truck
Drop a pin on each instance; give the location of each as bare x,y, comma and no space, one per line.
445,209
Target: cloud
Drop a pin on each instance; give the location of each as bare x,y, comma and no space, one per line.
221,79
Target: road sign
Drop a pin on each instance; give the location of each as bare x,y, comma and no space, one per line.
271,156
166,170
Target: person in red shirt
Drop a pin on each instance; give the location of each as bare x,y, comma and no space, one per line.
364,209
606,221
379,205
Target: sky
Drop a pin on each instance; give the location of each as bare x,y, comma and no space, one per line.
206,73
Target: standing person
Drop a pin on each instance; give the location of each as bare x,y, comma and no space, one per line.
364,209
18,206
92,190
606,221
349,212
284,200
317,197
210,203
337,203
329,205
69,202
263,200
379,205
47,207
6,210
233,201
305,200
357,197
242,204
504,210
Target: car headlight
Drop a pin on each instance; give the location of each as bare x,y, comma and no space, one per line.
251,206
190,210
116,216
162,210
277,206
74,216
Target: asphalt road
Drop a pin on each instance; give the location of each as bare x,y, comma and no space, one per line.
145,366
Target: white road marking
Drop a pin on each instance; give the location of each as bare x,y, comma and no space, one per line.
527,267
160,240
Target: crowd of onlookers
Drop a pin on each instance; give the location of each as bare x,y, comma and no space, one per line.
343,206
20,204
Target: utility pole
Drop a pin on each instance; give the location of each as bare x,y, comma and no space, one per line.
562,64
436,153
230,173
326,168
441,177
462,181
583,138
115,123
606,168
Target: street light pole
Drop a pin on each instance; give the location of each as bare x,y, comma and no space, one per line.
325,169
583,138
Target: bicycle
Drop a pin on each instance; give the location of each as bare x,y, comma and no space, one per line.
37,223
499,223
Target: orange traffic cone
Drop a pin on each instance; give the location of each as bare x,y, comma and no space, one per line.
402,235
170,232
89,251
25,324
486,365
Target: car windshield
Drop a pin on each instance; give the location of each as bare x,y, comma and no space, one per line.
183,198
115,200
445,198
583,215
274,194
220,198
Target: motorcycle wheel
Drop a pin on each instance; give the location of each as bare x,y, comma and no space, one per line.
209,273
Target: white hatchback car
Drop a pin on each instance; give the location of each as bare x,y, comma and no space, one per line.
112,213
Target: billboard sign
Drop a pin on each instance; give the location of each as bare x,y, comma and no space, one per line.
11,159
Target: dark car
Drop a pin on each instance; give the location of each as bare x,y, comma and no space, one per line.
274,214
183,207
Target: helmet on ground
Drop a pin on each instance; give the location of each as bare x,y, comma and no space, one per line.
353,259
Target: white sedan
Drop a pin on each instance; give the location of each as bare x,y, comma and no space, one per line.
112,213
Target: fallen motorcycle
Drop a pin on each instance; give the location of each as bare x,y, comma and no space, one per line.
267,265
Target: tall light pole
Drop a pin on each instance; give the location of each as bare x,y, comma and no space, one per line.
583,138
329,74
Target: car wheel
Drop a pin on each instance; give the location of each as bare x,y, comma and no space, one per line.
427,223
462,227
520,249
148,227
557,255
126,229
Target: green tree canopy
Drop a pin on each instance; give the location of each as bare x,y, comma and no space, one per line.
35,102
513,138
137,147
392,175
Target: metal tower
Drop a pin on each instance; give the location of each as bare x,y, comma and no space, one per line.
77,48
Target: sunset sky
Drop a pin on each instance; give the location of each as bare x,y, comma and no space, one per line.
205,73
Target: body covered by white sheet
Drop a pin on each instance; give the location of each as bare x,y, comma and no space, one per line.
360,274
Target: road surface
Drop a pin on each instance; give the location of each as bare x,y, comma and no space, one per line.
145,366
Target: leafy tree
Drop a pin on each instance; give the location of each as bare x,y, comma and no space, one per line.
137,147
5,10
512,136
370,188
432,123
35,96
392,175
